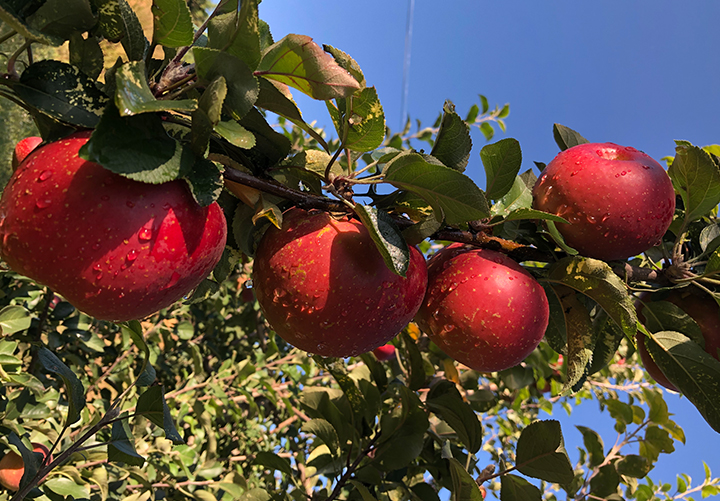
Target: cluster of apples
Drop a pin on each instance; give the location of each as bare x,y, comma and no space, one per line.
119,249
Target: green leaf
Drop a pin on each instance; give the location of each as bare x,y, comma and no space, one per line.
238,33
453,142
86,55
73,386
464,487
207,115
242,86
31,460
346,62
658,407
205,181
578,328
566,138
273,462
541,453
172,23
117,21
299,62
666,316
62,92
412,363
67,487
133,330
365,120
14,318
402,431
525,213
594,445
9,15
690,369
387,237
276,98
349,387
325,432
607,338
151,404
236,134
62,18
515,488
605,482
138,148
596,279
502,161
450,193
634,466
519,197
133,96
695,175
421,230
121,446
445,400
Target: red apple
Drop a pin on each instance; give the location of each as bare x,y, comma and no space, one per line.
115,248
12,467
700,307
618,200
23,149
385,352
482,308
324,287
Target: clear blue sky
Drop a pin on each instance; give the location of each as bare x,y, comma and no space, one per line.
639,74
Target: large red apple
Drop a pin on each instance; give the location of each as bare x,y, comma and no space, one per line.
12,467
324,287
618,200
115,248
700,307
482,308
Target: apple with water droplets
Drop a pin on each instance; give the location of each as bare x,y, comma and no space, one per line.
482,308
618,200
323,286
115,248
701,307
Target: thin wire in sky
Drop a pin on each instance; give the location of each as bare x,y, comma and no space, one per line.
406,64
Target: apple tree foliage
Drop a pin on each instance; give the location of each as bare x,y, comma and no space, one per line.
203,401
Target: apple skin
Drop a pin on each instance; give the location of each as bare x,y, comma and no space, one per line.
324,287
385,352
12,467
115,248
618,200
702,308
23,148
482,308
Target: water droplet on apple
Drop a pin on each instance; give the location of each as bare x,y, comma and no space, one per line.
321,347
167,206
43,203
121,295
131,256
130,204
45,175
145,234
105,198
368,301
96,245
97,267
623,173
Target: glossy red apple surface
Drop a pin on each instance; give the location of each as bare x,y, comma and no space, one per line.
324,287
23,148
385,352
115,248
619,201
482,308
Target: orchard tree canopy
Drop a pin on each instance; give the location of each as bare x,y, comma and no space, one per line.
205,297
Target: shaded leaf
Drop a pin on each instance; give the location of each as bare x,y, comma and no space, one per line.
237,32
593,444
464,487
73,386
86,55
151,404
634,466
273,462
387,238
299,62
541,453
695,175
325,432
502,161
346,62
236,134
365,120
445,400
10,16
172,24
133,95
62,18
31,461
121,446
515,488
453,142
566,138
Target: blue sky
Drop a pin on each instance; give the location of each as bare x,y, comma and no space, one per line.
639,74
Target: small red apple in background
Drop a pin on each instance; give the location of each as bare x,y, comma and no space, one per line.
23,149
12,467
482,308
115,248
324,287
385,352
618,200
702,308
